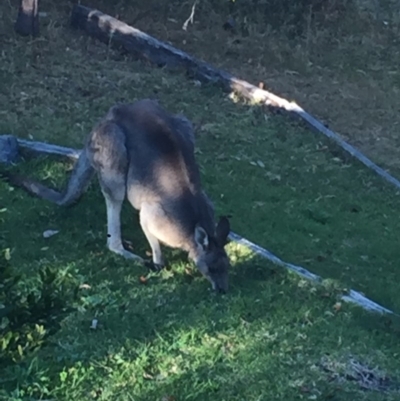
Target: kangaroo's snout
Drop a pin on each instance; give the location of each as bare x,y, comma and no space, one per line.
210,256
218,277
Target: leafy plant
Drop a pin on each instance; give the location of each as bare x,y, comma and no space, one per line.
28,317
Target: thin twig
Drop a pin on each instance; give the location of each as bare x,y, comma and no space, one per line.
190,19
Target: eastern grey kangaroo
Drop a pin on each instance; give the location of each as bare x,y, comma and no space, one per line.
142,152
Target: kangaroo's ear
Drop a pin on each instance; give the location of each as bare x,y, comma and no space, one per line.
222,231
201,237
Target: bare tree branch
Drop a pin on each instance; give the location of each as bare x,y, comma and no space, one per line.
191,17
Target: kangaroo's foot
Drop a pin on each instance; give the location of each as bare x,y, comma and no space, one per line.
120,250
155,267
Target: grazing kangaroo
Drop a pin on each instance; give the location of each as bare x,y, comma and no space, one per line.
142,152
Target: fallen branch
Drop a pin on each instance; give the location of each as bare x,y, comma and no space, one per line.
353,296
112,31
47,148
191,17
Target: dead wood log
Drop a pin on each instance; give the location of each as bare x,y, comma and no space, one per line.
48,148
9,149
115,32
27,22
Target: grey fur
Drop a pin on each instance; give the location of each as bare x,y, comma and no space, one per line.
141,152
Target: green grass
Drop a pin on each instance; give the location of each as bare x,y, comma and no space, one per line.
339,64
268,338
273,335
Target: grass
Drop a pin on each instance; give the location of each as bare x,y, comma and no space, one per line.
274,336
341,67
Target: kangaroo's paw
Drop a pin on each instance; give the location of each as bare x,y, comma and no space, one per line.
155,267
119,250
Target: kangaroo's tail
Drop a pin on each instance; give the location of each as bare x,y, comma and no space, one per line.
77,184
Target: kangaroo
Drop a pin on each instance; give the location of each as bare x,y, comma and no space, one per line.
141,152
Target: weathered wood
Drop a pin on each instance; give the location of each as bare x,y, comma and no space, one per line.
49,149
27,22
112,31
9,149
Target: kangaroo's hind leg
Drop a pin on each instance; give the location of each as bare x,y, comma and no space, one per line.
109,157
149,216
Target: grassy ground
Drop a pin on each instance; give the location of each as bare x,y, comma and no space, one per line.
341,67
273,336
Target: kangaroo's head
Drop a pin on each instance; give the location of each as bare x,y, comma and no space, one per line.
210,256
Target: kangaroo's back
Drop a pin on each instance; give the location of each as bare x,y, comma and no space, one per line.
160,147
162,166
